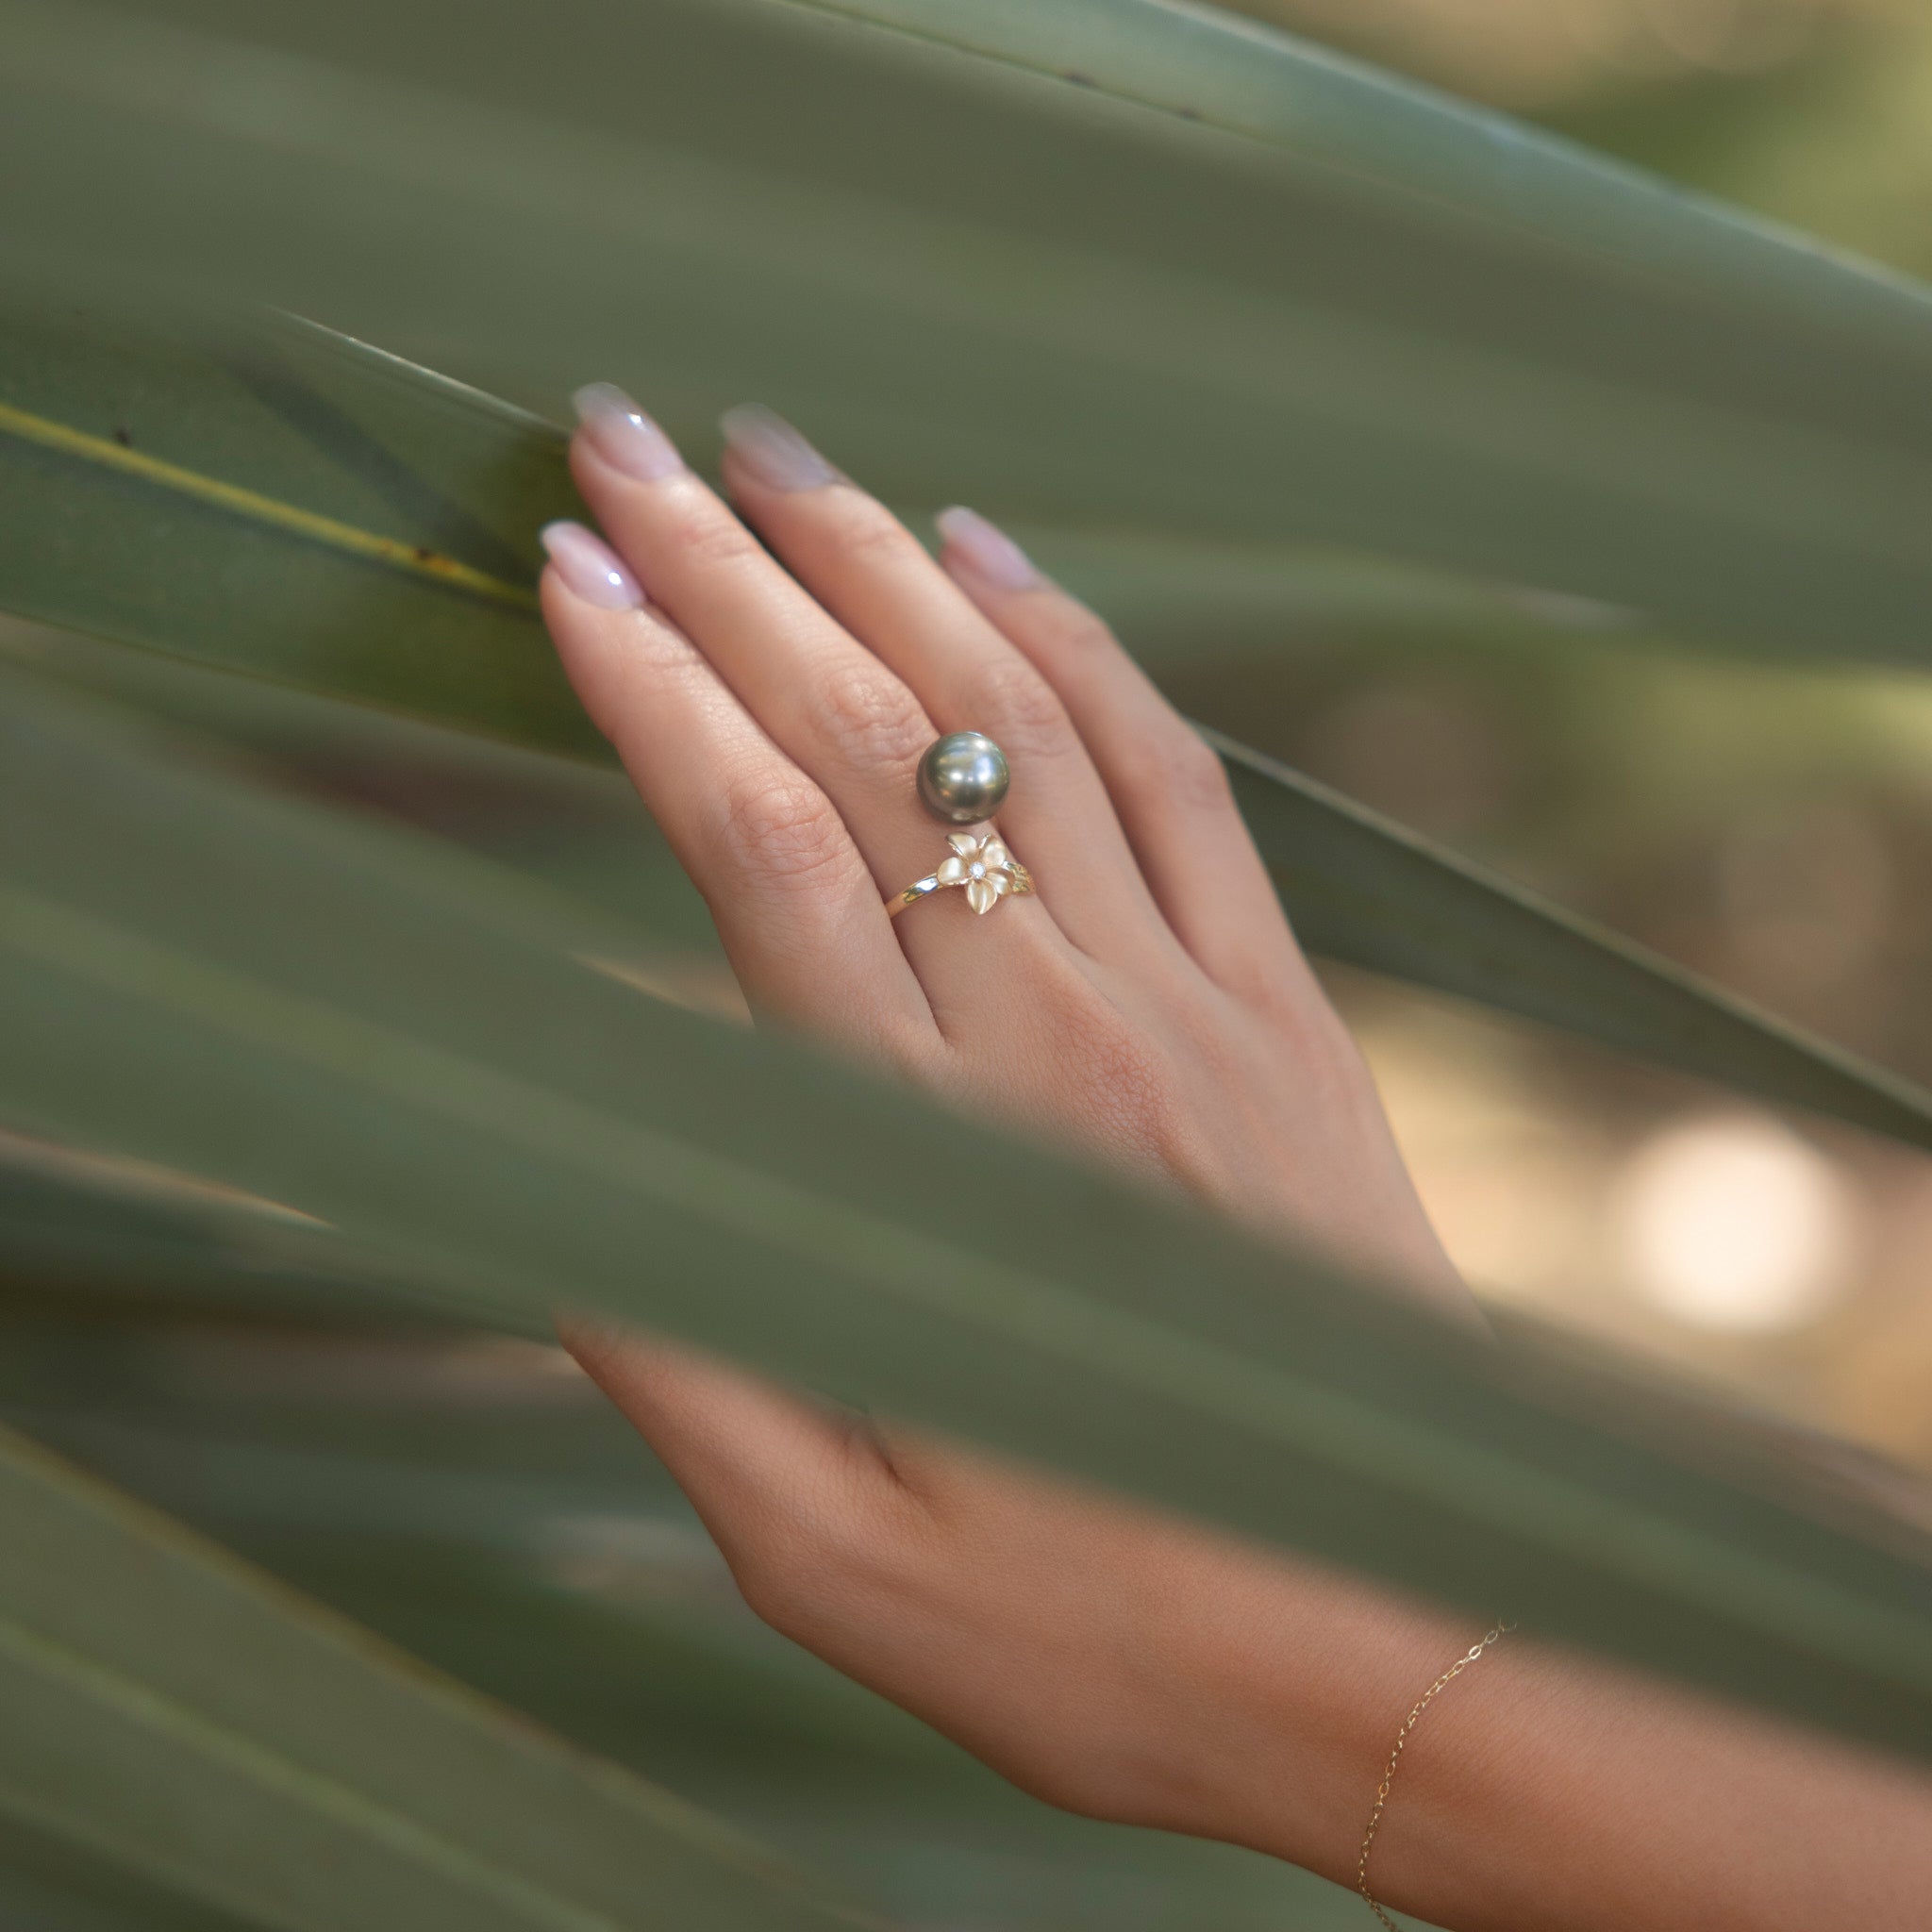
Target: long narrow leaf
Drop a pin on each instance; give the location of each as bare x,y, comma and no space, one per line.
1123,268
183,1718
241,987
651,1667
1364,890
289,503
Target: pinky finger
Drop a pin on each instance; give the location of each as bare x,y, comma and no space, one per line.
781,1481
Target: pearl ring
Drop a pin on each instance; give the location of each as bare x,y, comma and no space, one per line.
962,780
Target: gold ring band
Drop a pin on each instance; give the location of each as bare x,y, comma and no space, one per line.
983,868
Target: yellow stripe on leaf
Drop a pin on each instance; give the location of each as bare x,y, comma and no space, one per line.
414,558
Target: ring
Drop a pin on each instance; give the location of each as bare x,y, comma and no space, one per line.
984,866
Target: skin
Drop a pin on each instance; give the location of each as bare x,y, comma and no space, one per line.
770,699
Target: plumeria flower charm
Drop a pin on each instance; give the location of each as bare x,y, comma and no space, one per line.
983,866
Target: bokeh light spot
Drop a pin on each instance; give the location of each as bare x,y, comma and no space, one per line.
1732,1223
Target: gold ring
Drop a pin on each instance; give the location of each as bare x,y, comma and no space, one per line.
983,866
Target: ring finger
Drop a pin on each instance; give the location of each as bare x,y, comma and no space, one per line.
873,575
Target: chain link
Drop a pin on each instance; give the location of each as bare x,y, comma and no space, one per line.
1422,1704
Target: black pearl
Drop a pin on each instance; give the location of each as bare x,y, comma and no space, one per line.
963,778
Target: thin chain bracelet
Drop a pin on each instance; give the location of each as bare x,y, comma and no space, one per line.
1422,1704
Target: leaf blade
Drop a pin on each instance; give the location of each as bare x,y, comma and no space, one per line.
258,593
1097,1329
172,1710
1362,889
1411,353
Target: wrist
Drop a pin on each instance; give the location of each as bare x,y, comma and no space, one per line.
1286,1694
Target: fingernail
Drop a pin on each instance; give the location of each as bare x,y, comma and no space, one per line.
985,548
772,451
592,569
623,435
590,1330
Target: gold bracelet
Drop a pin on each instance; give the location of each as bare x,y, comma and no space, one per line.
1422,1704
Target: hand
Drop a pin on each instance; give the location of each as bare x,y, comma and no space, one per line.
1106,1658
1148,1004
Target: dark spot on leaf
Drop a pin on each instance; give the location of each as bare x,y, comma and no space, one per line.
123,435
1078,78
424,553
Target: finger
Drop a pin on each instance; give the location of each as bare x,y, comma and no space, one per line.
793,901
1169,790
785,1486
872,573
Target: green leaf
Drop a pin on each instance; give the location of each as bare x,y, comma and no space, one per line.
1096,263
46,1885
127,1242
651,1665
178,1716
506,1526
297,505
241,987
1362,889
278,501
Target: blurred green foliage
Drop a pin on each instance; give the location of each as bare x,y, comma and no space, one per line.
1488,485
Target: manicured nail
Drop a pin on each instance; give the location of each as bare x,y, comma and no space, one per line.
772,451
623,436
591,569
985,548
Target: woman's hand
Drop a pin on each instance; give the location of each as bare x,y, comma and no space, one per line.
1147,1002
1148,1005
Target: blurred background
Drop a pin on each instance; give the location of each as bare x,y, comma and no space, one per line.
1770,830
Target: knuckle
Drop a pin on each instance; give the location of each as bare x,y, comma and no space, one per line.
776,1588
1112,1073
825,1565
778,1573
1023,713
1188,769
781,830
871,717
664,653
1066,625
710,533
866,528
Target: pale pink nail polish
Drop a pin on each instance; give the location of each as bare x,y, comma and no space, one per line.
623,436
772,451
985,549
589,567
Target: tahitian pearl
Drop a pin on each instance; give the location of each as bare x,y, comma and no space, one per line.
963,777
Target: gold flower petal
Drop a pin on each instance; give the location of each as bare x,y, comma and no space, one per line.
964,843
999,878
992,853
982,894
951,870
